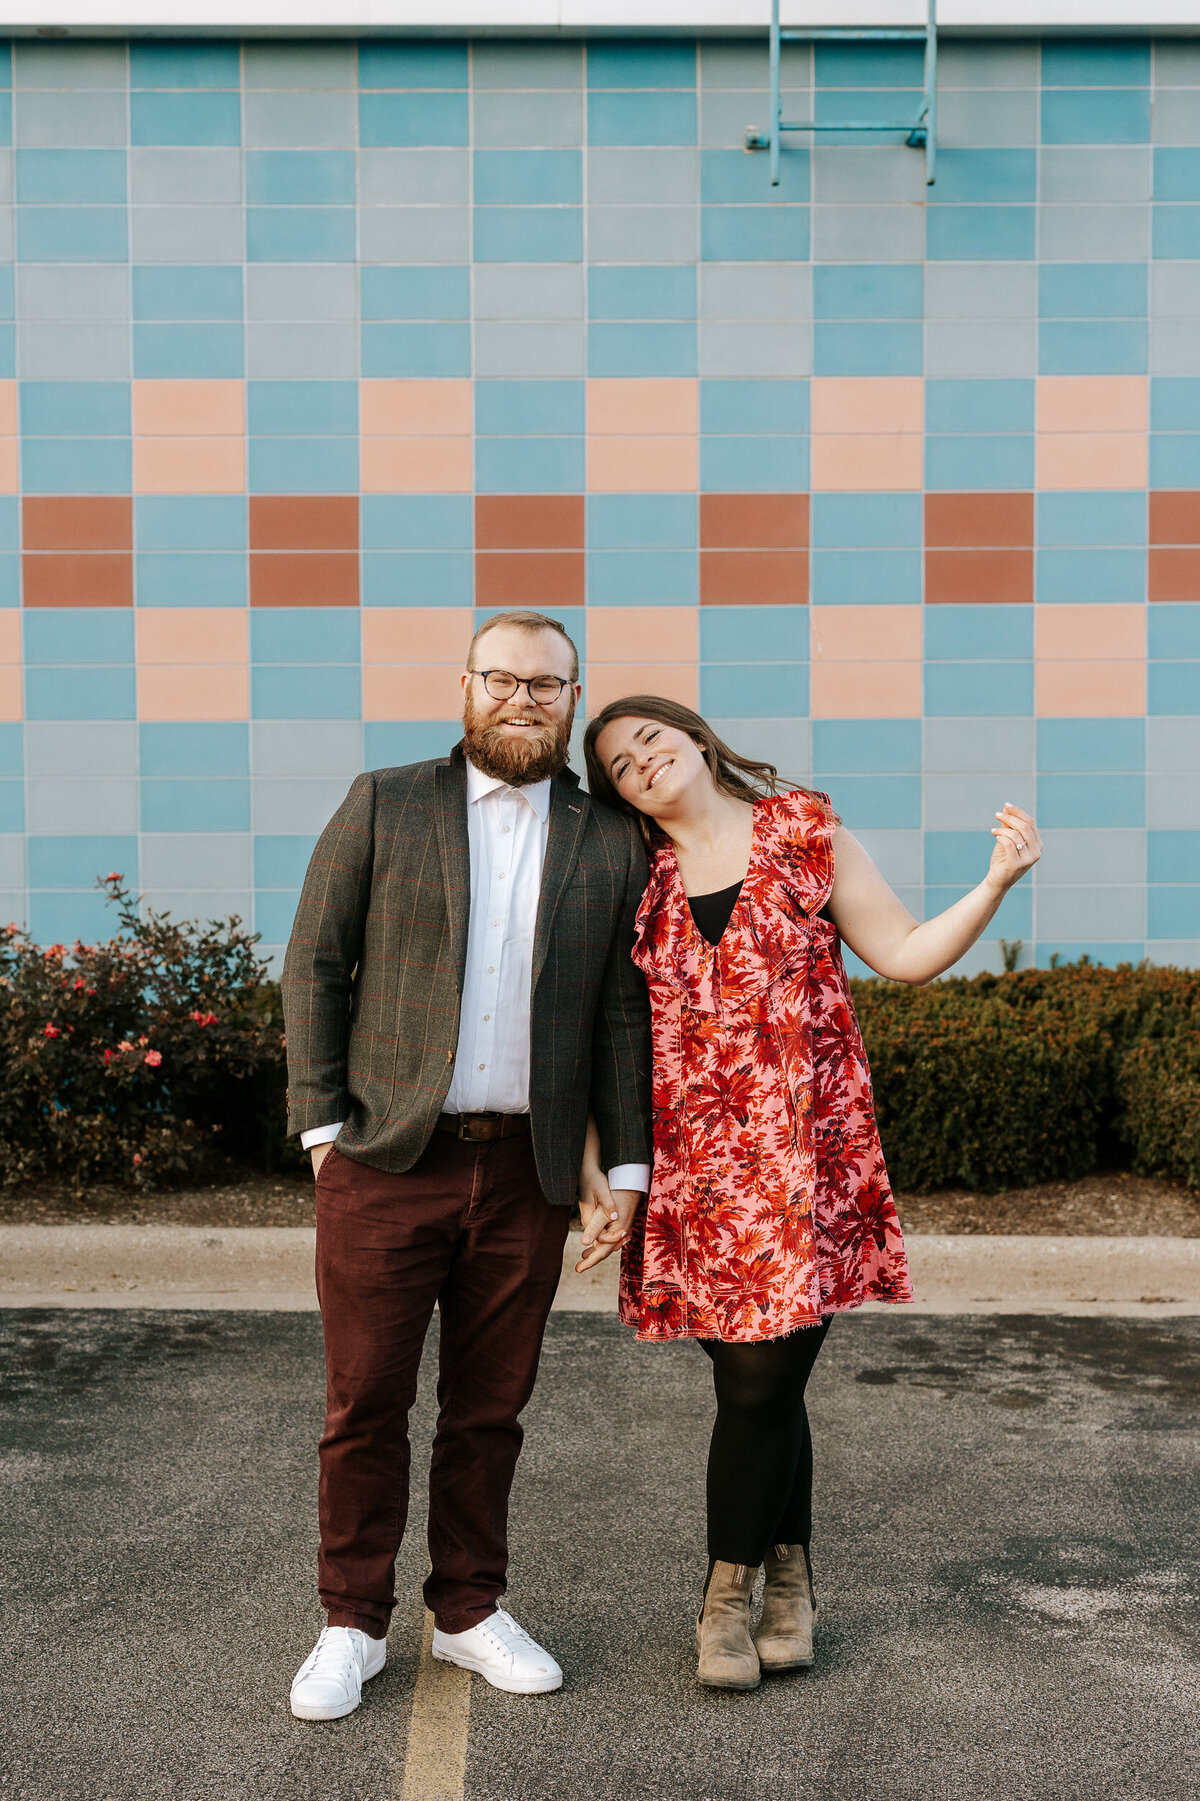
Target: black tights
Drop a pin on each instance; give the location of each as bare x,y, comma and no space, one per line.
760,1462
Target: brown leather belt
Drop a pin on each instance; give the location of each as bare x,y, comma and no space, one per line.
482,1128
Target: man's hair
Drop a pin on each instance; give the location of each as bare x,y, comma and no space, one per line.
525,621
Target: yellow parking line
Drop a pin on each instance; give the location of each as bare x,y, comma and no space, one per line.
435,1762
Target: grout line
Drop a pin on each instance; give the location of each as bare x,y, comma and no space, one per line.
435,1758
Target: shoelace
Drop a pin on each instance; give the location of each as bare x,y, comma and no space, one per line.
507,1634
332,1656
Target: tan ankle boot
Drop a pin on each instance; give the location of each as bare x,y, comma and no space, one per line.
727,1655
785,1627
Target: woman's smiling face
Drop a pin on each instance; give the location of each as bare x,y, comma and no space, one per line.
649,764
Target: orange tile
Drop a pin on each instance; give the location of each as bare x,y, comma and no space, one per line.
864,690
189,409
642,465
753,578
753,521
1092,460
876,464
991,577
1085,632
1175,517
670,681
412,691
414,408
1089,690
658,634
416,465
77,522
529,578
529,522
99,579
1092,403
844,404
417,635
978,521
628,407
1174,574
193,691
10,635
303,578
10,693
9,427
192,635
189,465
872,633
304,522
10,466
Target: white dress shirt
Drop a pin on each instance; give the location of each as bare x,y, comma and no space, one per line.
507,830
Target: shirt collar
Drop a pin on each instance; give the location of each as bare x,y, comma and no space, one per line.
537,794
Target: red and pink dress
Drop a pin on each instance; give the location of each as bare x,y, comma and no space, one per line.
770,1205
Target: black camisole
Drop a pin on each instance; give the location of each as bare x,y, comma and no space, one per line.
712,912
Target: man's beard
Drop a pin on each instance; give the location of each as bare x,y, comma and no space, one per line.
530,757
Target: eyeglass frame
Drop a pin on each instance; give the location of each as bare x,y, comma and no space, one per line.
526,682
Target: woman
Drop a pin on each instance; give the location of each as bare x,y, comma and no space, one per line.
769,1209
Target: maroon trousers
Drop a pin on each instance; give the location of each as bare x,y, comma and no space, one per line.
469,1229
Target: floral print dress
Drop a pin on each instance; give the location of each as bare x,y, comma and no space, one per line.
770,1205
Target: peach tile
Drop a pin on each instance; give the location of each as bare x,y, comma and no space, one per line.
872,634
193,691
417,466
876,464
865,691
1092,459
417,635
868,403
10,466
192,635
658,634
1092,403
627,405
642,465
407,691
414,408
9,427
671,681
189,465
1083,633
10,693
188,409
1091,690
753,578
10,635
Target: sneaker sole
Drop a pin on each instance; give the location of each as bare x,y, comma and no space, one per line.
543,1685
335,1713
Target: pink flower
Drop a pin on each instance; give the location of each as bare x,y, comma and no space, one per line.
137,1157
109,1055
115,876
51,1032
203,1019
125,1045
154,1058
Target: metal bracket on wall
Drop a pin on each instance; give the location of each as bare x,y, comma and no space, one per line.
921,131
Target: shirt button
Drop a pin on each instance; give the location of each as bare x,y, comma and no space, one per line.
508,828
483,1066
491,969
500,877
495,922
486,1017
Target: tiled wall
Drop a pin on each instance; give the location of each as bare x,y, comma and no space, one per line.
319,348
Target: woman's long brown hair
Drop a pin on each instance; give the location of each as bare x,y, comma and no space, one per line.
742,777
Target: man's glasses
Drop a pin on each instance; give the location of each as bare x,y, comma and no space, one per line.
544,690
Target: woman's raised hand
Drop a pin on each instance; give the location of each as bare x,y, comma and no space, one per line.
1017,847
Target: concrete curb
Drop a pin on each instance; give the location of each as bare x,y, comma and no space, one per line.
256,1268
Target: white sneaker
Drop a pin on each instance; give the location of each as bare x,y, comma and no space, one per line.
330,1683
502,1653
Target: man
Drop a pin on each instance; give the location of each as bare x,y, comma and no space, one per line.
459,993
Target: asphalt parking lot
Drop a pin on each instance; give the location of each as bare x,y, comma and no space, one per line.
1006,1556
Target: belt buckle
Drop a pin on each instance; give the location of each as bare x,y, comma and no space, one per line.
469,1123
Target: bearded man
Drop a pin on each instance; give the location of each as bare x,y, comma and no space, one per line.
459,996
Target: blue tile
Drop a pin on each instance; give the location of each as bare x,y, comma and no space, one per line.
300,178
647,348
980,233
1101,116
1088,518
200,351
418,578
12,749
1173,856
8,352
1091,575
1090,799
71,234
76,466
198,804
190,522
1107,955
1175,232
10,579
1173,912
417,522
79,635
320,635
649,118
833,108
979,405
759,234
1098,62
76,861
866,746
1173,630
529,408
281,859
86,693
187,291
413,64
996,175
298,234
309,692
7,292
1093,347
754,465
866,577
956,856
289,408
442,291
960,463
5,118
303,466
731,178
969,690
641,63
1088,745
77,177
747,690
61,918
173,118
990,633
416,350
1092,290
628,578
412,119
873,803
528,234
12,807
190,579
1173,688
867,519
528,177
1177,173
1175,460
275,914
649,291
75,408
868,65
194,750
753,634
868,348
736,407
529,465
642,521
867,290
187,64
1175,403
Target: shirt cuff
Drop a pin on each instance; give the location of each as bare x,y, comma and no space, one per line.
320,1135
630,1175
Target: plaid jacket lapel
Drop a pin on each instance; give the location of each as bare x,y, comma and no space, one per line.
568,816
455,849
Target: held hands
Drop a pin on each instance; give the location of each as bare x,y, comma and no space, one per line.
607,1215
1017,848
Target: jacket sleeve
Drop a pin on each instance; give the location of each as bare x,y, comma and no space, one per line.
318,970
621,1056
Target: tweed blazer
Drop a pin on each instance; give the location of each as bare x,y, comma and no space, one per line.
372,980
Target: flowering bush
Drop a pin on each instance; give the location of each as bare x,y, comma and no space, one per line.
154,1058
